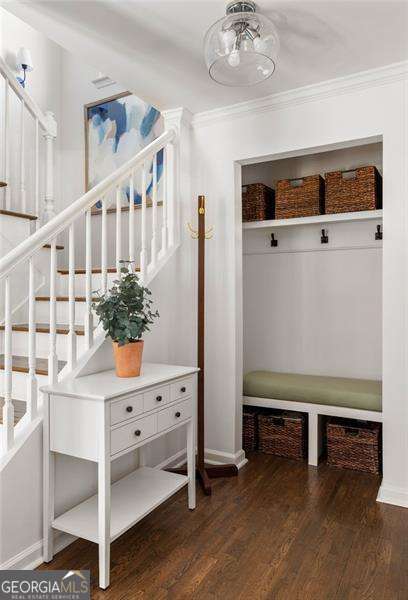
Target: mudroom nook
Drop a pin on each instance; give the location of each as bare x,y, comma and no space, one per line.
312,305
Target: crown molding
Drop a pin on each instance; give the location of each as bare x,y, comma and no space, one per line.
310,93
177,117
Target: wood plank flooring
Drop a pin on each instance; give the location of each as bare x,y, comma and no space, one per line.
281,531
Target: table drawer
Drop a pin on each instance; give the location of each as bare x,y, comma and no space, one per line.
156,398
133,433
174,414
125,409
181,389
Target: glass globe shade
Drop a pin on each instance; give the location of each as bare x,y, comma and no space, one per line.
241,49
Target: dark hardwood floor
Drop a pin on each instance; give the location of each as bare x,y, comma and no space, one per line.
280,530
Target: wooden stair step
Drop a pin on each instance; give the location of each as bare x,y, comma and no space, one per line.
112,209
19,409
3,184
20,364
63,298
45,328
57,246
20,215
83,271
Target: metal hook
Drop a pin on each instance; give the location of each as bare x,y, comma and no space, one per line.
378,233
274,242
324,237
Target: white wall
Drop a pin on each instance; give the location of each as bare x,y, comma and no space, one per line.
367,106
311,308
43,84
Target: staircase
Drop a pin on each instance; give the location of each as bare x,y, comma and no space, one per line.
48,331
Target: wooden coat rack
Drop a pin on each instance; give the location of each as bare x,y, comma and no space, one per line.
204,472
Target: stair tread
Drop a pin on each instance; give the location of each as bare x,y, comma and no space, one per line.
20,215
20,364
57,246
19,409
45,328
94,270
112,209
3,184
63,298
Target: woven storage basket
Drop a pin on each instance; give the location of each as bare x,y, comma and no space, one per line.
258,202
249,429
282,433
349,191
354,445
303,197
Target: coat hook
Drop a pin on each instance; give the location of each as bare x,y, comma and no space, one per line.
274,242
324,238
378,233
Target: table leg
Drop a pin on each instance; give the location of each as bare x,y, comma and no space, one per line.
48,485
191,471
104,509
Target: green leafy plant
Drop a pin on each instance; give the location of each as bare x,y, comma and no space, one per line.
126,310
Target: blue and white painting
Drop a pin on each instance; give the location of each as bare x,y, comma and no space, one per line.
116,129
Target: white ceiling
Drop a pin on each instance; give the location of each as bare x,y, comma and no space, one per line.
154,47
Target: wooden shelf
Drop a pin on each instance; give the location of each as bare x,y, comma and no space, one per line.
133,497
366,215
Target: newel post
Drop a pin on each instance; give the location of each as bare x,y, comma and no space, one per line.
178,119
49,201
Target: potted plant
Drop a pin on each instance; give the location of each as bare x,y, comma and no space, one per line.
126,312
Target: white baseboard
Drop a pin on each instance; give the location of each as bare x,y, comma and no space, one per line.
393,495
32,557
212,457
216,457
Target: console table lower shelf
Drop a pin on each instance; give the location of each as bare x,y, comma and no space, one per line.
132,498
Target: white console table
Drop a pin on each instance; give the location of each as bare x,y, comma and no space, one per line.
100,417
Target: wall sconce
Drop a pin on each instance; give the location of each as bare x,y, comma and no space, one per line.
24,63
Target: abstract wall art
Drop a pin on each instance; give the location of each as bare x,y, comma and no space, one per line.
116,128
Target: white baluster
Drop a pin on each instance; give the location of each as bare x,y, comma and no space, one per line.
171,221
6,166
37,172
49,208
88,281
153,258
8,408
72,338
118,230
131,220
164,211
104,247
143,226
22,160
52,358
32,384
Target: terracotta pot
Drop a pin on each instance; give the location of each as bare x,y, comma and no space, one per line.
128,358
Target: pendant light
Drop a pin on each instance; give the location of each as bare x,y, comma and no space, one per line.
241,48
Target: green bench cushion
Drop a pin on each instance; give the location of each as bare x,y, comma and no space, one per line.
364,394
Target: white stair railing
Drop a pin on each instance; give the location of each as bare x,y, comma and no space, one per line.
26,178
151,257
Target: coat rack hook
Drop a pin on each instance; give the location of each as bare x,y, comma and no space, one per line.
379,233
324,237
274,242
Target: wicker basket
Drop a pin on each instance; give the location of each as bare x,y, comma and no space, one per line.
258,202
249,429
354,445
299,197
349,191
282,433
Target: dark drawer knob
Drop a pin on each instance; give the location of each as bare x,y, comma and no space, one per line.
183,389
137,432
158,398
129,408
178,414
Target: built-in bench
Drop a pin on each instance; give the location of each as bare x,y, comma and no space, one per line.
317,396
